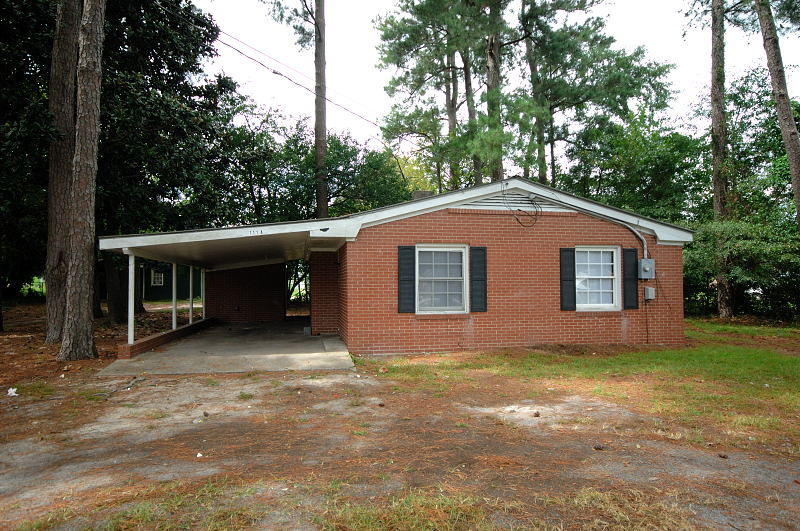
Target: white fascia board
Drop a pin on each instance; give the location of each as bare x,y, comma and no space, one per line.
663,232
140,240
424,206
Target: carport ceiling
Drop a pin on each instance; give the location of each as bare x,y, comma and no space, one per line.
228,248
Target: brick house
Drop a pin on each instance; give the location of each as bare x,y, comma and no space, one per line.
509,263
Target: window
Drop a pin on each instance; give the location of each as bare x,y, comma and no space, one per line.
156,278
441,279
596,278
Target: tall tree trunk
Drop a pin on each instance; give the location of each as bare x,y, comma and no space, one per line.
61,101
114,299
719,147
320,125
78,335
537,136
452,118
541,160
552,140
780,94
493,94
472,116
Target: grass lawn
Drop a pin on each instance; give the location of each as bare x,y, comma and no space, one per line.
727,381
548,437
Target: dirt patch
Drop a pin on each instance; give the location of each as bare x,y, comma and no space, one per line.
360,439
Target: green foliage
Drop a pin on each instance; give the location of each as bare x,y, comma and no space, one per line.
25,134
764,265
641,164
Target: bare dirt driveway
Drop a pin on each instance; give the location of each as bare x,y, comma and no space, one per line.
535,438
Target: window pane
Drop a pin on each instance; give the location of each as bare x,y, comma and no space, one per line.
606,284
594,257
454,286
455,271
607,297
582,297
595,270
581,257
582,284
455,300
425,301
425,257
425,270
440,271
440,300
594,297
440,257
581,270
455,257
607,270
608,257
426,286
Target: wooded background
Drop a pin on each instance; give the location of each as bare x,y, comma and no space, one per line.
483,90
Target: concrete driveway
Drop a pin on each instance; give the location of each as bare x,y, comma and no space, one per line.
240,348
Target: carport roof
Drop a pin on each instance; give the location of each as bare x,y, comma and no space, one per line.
250,245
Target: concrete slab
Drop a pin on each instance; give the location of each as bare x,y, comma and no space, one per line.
240,348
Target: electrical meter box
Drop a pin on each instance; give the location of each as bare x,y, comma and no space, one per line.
647,268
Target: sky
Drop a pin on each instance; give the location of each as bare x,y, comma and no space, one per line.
355,81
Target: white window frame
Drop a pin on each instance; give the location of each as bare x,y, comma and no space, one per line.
153,274
617,281
464,250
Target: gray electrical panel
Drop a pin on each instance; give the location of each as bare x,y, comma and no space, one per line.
649,293
647,268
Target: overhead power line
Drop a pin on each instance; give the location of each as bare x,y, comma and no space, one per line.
275,71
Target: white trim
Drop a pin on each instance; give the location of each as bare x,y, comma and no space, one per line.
153,274
464,250
617,305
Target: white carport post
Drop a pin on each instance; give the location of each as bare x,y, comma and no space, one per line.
174,295
203,291
191,294
131,297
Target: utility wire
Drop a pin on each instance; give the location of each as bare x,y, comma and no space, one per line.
274,71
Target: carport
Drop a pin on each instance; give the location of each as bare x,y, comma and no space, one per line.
243,284
239,348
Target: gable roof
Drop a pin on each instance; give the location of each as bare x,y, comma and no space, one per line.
270,242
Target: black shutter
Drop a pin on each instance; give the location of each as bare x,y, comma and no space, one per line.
406,279
567,279
477,279
630,279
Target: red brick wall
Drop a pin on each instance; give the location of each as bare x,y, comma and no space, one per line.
522,286
247,295
324,292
